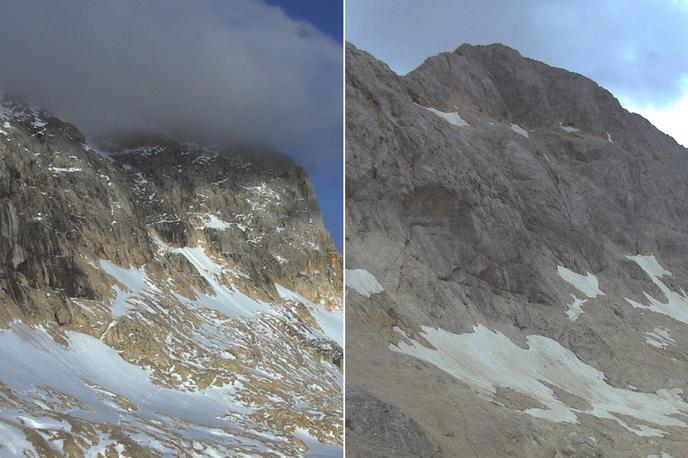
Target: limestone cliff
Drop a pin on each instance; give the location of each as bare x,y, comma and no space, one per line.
160,298
516,263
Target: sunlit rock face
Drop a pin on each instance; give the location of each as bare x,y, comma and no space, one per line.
160,298
519,249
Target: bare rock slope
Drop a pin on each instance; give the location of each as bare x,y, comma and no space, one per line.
516,263
160,298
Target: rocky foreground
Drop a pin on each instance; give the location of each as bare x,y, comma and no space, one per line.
516,264
159,298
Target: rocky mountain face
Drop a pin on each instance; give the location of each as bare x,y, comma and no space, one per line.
160,298
516,264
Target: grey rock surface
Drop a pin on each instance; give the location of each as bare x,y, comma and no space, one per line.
468,226
380,429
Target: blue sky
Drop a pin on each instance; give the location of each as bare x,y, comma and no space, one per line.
327,16
327,177
636,49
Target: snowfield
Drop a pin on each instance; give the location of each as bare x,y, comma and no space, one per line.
84,387
103,388
486,359
331,322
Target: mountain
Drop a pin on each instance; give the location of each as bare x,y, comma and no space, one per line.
516,264
161,298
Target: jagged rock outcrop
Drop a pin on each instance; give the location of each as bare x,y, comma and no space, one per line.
519,247
160,298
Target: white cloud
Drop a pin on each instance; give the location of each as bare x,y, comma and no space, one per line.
670,118
683,4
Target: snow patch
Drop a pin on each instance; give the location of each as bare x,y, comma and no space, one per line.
280,259
224,298
216,223
609,138
486,359
453,118
86,369
575,308
363,282
568,129
58,170
14,442
676,305
519,130
586,284
134,280
659,337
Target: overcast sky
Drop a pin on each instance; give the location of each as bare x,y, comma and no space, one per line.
207,70
636,49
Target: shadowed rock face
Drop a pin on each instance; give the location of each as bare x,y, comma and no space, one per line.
383,430
209,267
468,226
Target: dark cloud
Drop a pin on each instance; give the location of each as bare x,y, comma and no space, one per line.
209,70
636,49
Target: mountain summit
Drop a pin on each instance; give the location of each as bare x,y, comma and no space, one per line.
516,264
161,298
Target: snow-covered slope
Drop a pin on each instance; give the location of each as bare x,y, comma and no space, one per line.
162,299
